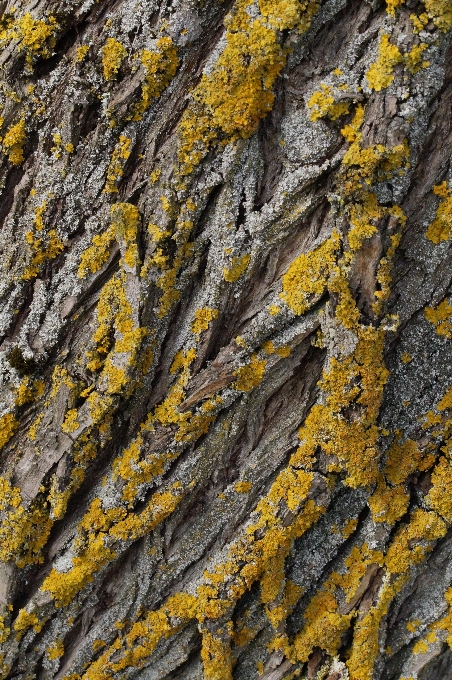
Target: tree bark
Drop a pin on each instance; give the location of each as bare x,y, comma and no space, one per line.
226,334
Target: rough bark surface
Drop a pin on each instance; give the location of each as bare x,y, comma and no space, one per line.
226,339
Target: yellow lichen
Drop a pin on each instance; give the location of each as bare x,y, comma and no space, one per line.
55,650
440,11
239,266
391,6
113,52
160,67
33,36
441,227
43,246
249,376
379,75
81,53
229,101
243,487
202,319
115,169
440,317
8,427
413,59
306,279
23,532
323,104
70,423
94,257
14,141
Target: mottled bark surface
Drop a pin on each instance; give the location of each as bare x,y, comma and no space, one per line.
226,339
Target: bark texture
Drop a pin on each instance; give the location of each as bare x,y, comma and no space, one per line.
226,339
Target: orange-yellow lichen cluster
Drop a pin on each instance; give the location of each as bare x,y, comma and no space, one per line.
113,53
13,142
441,227
118,159
34,37
322,103
160,67
230,100
43,246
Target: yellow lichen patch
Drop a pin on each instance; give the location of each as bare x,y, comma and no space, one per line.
216,655
413,625
202,319
358,378
70,423
113,52
404,459
99,525
281,609
43,246
388,504
439,497
25,620
356,565
94,257
248,560
419,22
4,630
135,471
229,101
323,104
239,266
118,159
126,220
33,36
284,14
306,279
8,427
409,545
250,376
384,274
391,6
14,141
55,650
324,627
243,487
84,451
81,53
179,608
413,59
440,317
362,215
349,528
379,75
441,227
440,12
114,311
160,66
23,532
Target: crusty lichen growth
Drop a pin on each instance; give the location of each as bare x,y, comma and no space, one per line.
235,379
229,101
14,141
160,67
113,53
380,75
441,227
322,103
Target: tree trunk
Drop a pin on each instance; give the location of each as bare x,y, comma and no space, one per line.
226,340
